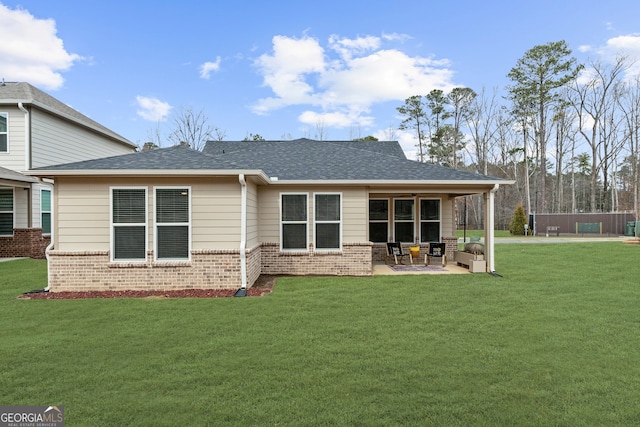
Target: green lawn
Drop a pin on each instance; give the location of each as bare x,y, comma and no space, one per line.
555,341
480,233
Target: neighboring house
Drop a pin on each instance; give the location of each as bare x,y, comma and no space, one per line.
178,218
37,130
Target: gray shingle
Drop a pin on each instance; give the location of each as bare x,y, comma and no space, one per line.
288,160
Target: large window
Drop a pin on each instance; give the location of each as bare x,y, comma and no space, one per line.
328,224
293,218
4,133
129,224
429,220
403,220
6,211
379,220
45,211
172,223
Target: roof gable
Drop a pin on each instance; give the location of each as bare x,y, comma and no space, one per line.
12,92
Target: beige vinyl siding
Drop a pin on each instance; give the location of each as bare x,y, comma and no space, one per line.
20,207
82,214
56,141
252,215
83,211
14,159
354,211
215,213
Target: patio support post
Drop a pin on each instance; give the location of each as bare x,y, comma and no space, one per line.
489,224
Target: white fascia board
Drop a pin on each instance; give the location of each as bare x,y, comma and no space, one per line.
147,172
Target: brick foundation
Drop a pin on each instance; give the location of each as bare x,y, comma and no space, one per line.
92,271
25,242
353,260
208,269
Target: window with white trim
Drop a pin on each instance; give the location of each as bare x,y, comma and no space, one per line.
328,221
129,224
379,220
404,220
173,223
429,220
293,221
45,211
6,211
4,133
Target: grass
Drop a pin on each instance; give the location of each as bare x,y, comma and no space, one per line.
480,233
552,342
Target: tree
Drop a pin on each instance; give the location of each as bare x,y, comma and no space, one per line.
367,138
440,134
516,226
254,137
191,128
415,118
537,77
461,100
593,102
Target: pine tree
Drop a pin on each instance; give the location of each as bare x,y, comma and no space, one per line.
516,226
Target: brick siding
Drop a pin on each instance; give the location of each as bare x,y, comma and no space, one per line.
25,242
353,260
208,269
92,271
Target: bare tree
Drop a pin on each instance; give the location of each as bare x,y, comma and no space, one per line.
592,101
629,101
191,128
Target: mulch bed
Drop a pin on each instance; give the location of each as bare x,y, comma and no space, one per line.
264,285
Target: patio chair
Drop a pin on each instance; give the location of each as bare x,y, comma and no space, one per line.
436,250
394,249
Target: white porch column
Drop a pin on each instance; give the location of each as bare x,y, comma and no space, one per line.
489,224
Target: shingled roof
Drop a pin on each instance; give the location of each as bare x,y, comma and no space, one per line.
14,92
298,160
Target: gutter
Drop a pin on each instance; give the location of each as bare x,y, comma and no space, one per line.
243,237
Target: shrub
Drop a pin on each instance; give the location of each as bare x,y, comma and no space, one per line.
516,226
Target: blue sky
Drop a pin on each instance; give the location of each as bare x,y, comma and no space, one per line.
284,69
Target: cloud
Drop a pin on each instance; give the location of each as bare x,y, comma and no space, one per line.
208,67
31,50
343,80
625,45
152,109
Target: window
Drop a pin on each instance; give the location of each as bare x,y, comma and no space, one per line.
4,133
45,211
129,224
403,220
293,218
6,211
429,220
173,223
379,221
328,224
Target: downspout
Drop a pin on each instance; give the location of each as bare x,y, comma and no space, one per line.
490,226
243,232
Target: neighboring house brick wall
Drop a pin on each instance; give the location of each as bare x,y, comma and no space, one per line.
25,242
93,271
353,260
